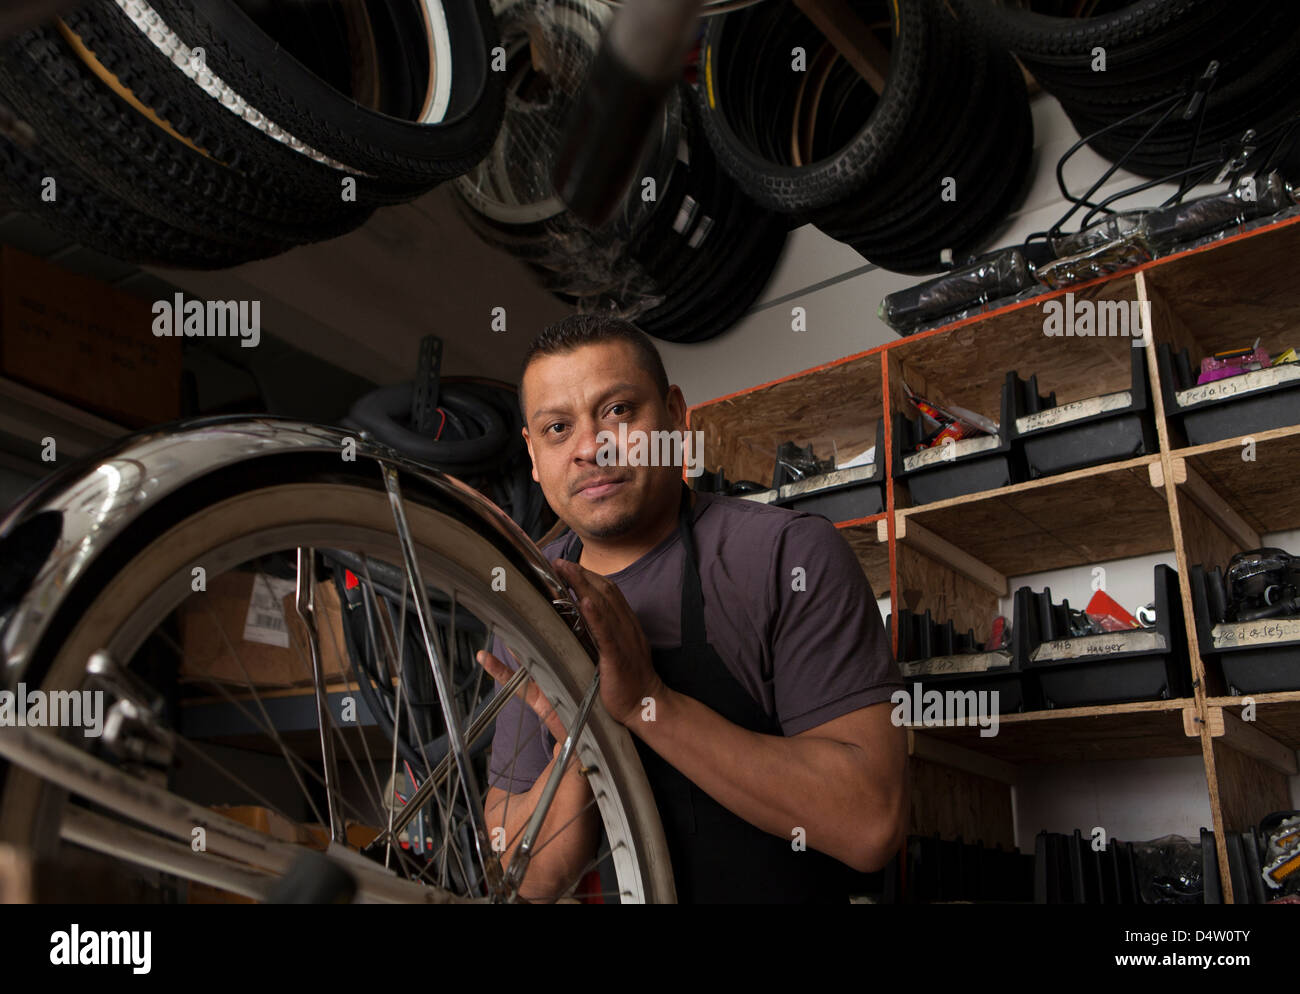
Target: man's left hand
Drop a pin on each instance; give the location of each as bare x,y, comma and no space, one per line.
627,675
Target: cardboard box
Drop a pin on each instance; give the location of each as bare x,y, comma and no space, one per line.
86,343
254,615
268,822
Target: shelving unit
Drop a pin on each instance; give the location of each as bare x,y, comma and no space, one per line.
1199,503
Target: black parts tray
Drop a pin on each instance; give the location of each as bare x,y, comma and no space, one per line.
985,462
1227,408
1059,438
1068,870
1112,668
841,494
935,653
1255,657
946,870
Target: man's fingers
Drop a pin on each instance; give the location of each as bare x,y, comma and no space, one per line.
528,691
496,669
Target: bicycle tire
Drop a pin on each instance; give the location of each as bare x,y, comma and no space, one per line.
219,514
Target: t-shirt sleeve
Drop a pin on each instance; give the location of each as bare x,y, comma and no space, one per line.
831,652
521,745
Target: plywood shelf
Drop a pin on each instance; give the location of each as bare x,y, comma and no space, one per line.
1262,490
1142,730
1276,715
862,536
1090,515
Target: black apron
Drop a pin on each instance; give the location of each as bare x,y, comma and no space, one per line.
718,857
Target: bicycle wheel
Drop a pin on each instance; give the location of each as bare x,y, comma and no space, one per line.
223,494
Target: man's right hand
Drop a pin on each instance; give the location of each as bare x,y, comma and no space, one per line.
558,860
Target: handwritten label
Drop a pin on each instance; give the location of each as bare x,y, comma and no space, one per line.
950,452
1262,632
1105,644
1075,411
1244,383
969,662
828,481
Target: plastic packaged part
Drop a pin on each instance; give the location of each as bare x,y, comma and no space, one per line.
1000,275
1252,198
953,468
1169,870
1108,257
1113,228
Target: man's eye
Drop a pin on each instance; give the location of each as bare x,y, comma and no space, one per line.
557,424
616,408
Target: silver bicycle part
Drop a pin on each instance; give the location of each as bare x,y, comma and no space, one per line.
524,854
95,503
304,600
441,679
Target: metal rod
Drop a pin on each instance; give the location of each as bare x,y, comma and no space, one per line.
304,601
442,680
524,854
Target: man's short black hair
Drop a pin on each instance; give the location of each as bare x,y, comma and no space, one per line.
577,330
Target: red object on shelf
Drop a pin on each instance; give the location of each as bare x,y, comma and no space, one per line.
1105,606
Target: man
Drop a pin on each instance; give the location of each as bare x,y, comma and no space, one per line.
775,766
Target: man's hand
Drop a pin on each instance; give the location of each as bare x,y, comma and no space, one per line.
627,676
567,842
529,692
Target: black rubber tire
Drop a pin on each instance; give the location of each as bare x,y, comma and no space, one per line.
1039,36
262,160
819,184
86,215
364,140
79,120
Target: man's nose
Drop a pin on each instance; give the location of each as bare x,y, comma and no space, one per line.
586,440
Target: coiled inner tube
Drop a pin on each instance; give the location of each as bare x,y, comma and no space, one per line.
385,413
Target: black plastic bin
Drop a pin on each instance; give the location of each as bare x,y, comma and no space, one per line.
1138,665
842,494
933,653
1227,408
1059,438
970,466
1255,657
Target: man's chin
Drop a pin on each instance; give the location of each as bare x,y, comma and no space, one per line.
606,522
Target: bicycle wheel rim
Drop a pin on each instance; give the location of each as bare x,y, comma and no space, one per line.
154,580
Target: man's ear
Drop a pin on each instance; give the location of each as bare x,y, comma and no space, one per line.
531,459
676,403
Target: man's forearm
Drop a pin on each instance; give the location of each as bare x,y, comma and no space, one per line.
849,805
558,860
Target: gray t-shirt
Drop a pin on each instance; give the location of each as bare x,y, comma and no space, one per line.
786,606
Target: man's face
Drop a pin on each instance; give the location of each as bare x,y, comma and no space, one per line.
571,398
